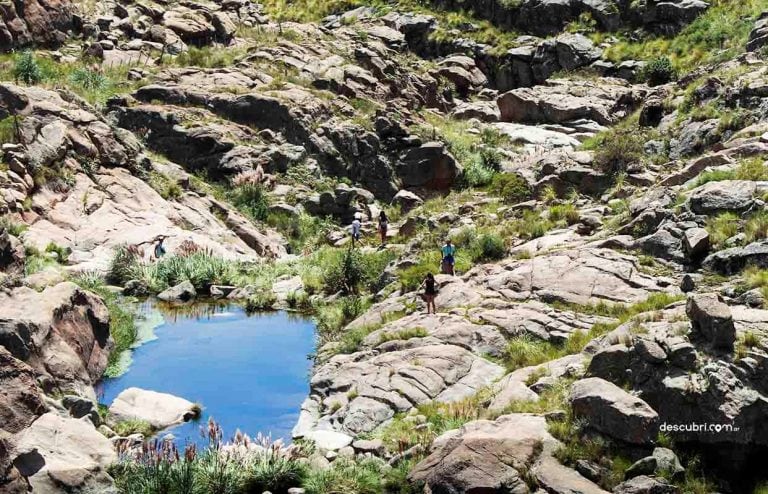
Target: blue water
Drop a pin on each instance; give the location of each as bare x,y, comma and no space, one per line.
248,372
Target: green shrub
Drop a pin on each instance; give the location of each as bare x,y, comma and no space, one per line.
346,274
476,173
525,351
62,253
14,228
123,264
531,225
617,149
348,477
350,270
511,187
404,334
88,80
200,268
305,233
134,426
756,227
27,69
252,200
721,228
332,317
263,299
168,188
298,300
564,213
659,71
488,247
7,130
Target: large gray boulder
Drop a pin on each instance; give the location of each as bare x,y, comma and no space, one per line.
496,457
609,409
394,378
645,485
564,101
727,195
430,166
712,320
183,292
160,410
662,461
60,454
731,261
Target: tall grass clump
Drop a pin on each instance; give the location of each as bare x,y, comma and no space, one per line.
718,34
200,267
234,467
251,199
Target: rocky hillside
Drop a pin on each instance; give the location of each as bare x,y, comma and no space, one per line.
601,167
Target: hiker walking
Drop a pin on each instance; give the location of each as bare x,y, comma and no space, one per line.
356,225
430,292
449,260
383,225
159,250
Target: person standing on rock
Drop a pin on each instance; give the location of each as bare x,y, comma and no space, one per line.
430,292
159,250
383,225
449,259
356,225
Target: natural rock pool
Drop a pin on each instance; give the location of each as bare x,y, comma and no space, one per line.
248,372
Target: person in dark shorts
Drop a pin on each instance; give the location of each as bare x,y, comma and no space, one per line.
449,258
430,292
383,226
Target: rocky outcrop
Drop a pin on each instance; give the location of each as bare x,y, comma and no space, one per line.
577,276
566,101
498,456
21,399
35,22
676,369
355,393
104,202
759,35
61,332
60,454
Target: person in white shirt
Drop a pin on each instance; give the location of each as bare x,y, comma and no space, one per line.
356,225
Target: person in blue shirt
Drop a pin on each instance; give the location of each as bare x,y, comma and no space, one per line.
449,259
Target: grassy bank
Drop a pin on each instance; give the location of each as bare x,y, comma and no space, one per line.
231,468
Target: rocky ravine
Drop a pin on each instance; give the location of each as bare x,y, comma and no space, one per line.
349,98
